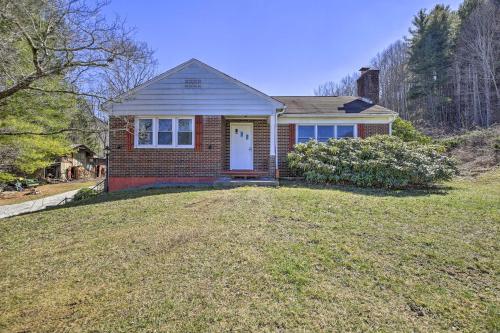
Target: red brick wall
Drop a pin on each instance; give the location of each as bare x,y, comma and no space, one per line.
260,143
368,85
165,162
283,149
374,129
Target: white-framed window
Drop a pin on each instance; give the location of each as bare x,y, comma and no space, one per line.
145,130
345,131
306,133
165,135
185,132
324,132
164,132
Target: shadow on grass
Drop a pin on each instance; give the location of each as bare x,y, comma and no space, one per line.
372,191
135,193
140,193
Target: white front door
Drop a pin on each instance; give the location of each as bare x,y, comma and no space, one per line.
241,146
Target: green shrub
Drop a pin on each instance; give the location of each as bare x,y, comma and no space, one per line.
6,177
405,130
379,161
85,193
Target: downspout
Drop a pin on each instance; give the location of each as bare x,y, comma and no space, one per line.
278,113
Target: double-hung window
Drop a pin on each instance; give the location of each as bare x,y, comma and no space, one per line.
305,133
323,133
145,132
345,131
164,132
185,132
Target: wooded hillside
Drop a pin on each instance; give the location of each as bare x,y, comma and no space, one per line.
445,73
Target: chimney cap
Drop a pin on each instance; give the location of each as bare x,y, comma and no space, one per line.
364,69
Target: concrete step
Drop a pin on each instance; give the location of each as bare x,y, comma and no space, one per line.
231,182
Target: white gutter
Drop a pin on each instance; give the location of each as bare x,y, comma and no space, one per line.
339,115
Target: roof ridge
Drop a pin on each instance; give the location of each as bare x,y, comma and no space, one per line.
314,96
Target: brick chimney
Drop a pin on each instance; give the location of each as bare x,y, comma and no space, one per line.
368,84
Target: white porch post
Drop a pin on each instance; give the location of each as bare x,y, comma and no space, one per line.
272,135
273,146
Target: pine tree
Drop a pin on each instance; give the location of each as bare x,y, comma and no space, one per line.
430,48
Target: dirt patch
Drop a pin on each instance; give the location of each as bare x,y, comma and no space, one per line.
477,151
12,197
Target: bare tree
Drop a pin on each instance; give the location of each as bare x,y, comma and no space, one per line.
476,66
392,63
126,74
346,87
63,37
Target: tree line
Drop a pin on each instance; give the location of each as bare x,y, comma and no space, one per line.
60,61
445,73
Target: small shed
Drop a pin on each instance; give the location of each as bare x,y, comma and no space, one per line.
82,163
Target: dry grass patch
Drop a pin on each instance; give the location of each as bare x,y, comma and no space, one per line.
258,259
45,191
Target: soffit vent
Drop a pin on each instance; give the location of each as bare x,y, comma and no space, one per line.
192,83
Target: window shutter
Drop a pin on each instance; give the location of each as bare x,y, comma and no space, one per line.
361,131
130,134
198,129
291,138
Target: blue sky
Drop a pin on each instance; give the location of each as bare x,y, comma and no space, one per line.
281,47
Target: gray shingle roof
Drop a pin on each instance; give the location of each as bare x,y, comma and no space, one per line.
330,105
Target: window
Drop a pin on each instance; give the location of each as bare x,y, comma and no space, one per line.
165,132
145,136
172,132
344,131
305,133
184,132
323,133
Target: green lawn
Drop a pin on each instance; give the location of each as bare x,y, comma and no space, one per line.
258,259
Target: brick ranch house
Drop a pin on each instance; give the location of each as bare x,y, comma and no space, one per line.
195,124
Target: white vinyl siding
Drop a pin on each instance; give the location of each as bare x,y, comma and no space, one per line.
213,94
164,132
324,132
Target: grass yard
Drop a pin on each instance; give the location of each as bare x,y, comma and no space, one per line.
258,259
45,191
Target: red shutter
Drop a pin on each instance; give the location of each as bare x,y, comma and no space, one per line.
291,138
130,135
361,131
198,129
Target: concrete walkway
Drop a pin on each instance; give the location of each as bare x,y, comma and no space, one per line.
35,205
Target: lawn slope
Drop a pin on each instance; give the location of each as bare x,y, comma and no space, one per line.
258,259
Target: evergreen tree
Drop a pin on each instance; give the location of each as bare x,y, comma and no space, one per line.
430,48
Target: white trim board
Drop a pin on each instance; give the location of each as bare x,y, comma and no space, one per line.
153,113
155,144
339,120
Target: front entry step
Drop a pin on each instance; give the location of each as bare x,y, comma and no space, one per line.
232,182
244,174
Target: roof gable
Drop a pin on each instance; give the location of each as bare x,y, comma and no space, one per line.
189,81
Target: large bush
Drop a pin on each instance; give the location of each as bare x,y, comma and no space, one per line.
405,130
379,161
85,193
